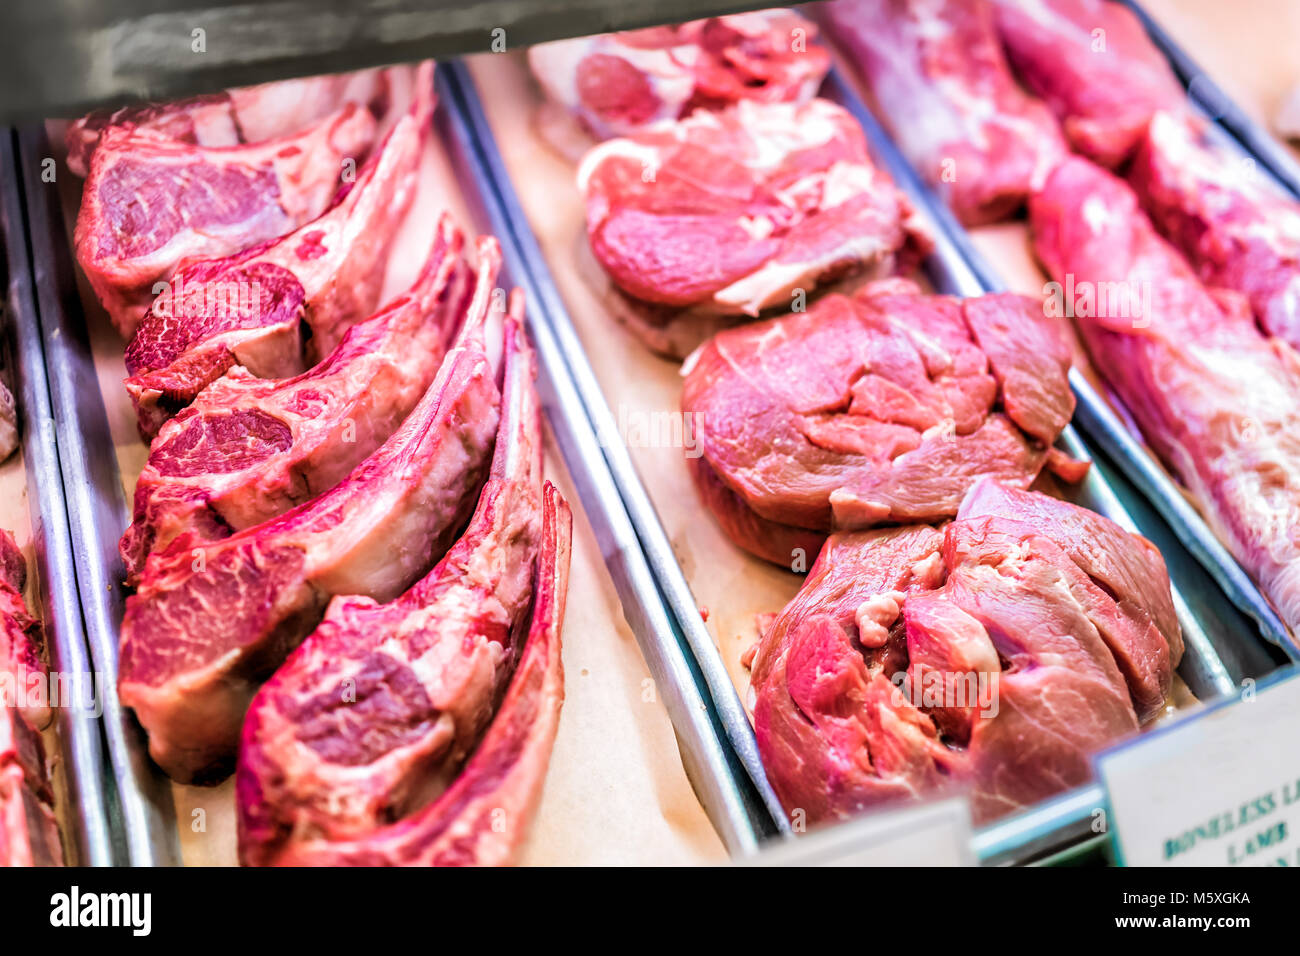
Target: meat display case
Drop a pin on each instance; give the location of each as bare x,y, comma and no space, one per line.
132,819
1222,648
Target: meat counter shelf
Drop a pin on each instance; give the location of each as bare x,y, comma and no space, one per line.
1215,661
90,822
144,829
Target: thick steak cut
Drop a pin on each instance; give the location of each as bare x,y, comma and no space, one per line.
940,80
247,114
1239,229
482,818
880,408
1093,63
729,214
383,701
1217,400
29,834
254,308
151,202
249,449
209,624
996,653
619,83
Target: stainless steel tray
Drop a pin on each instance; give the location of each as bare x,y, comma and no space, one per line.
98,512
1216,658
89,823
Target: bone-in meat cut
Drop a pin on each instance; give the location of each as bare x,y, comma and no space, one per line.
281,306
210,623
429,668
993,654
249,114
938,77
619,83
249,449
151,202
1217,400
29,834
1236,226
1093,63
704,222
482,818
880,408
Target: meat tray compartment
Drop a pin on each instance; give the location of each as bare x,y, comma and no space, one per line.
146,829
84,789
1217,658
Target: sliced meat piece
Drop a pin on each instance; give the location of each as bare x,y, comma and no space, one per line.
249,449
254,308
427,669
938,77
151,202
1239,229
876,409
729,213
482,818
616,84
1093,63
209,624
249,114
1217,401
29,833
981,655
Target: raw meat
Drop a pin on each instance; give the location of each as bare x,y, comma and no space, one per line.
882,408
247,114
996,653
619,83
249,449
29,835
1239,230
940,80
482,818
728,214
254,308
151,202
209,624
1217,401
1092,62
425,672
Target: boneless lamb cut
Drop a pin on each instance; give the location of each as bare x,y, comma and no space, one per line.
249,114
1217,400
209,623
29,834
249,449
151,202
938,77
702,223
879,408
619,83
425,672
1093,63
1238,228
994,654
283,305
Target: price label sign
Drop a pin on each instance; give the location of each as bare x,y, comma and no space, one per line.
1219,788
933,834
